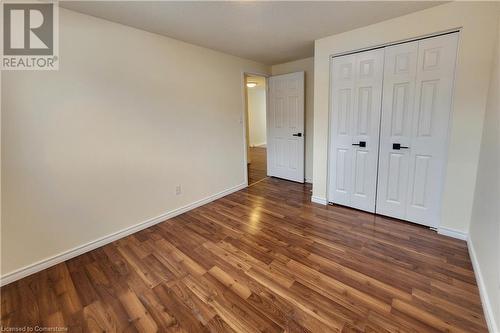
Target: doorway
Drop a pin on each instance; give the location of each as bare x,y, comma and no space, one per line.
256,132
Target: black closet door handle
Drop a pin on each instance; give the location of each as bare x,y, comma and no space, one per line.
297,134
361,144
397,146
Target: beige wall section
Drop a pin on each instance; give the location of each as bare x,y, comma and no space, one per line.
257,111
101,144
306,65
484,234
478,22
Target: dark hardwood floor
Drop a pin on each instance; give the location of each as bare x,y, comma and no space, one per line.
257,170
264,259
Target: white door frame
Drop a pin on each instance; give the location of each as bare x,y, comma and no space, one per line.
243,116
458,30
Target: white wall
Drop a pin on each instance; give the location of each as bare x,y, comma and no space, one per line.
484,237
257,112
100,145
306,65
478,22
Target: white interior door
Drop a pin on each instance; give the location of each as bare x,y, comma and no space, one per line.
355,122
397,111
285,127
418,86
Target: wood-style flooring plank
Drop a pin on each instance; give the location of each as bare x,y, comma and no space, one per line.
257,168
263,259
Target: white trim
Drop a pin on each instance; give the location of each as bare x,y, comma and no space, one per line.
319,200
401,41
329,155
76,251
243,122
485,301
452,233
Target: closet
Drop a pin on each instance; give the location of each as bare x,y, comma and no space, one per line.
389,118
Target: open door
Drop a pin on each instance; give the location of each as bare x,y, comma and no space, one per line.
285,127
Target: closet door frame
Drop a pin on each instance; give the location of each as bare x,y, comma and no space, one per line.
330,106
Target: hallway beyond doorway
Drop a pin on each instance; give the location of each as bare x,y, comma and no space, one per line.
257,168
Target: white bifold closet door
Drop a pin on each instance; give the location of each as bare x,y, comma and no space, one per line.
400,171
355,124
418,87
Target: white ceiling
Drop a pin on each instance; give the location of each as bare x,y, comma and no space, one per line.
267,32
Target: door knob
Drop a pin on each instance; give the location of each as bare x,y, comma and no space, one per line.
297,134
361,144
397,146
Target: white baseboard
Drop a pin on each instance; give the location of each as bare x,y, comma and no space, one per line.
66,255
319,200
485,301
452,233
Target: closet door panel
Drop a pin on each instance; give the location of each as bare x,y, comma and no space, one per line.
354,123
366,128
397,111
342,99
429,130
